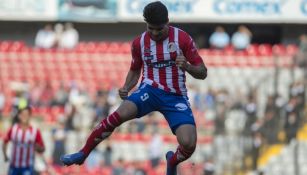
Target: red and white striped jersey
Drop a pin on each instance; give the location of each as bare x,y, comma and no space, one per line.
23,145
158,59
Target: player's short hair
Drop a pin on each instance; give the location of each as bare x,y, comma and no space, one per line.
155,13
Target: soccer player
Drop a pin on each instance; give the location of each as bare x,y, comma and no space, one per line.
26,140
164,53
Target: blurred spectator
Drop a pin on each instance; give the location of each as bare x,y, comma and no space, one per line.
155,145
59,137
140,125
270,127
101,106
107,155
69,38
291,126
58,29
139,170
209,167
200,41
222,105
219,39
292,119
241,39
118,168
45,38
60,96
303,43
297,90
210,99
70,111
197,99
35,94
257,142
251,109
301,55
46,95
94,160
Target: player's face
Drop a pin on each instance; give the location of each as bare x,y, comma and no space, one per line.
24,116
157,32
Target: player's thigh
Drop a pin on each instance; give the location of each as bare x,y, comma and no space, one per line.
143,100
187,135
127,110
177,112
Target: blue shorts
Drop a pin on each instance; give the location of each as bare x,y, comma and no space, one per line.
21,171
175,108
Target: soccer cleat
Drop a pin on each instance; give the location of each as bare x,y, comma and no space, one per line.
76,158
170,170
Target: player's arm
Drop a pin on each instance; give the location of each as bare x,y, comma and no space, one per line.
197,71
189,60
134,72
5,143
131,80
4,151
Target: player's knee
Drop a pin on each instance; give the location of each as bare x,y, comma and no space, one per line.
188,144
127,111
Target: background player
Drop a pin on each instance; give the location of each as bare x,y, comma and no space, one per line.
26,140
164,53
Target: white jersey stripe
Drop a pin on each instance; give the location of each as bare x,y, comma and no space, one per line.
19,147
153,48
14,139
34,133
27,141
168,70
142,44
181,74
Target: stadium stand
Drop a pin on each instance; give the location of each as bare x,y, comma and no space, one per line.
103,65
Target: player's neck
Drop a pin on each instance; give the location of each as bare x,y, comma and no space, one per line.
24,126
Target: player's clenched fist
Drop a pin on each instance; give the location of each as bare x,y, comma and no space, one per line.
181,62
123,93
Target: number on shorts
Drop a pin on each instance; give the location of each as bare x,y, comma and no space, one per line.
144,97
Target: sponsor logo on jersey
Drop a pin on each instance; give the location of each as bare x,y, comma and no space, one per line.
147,51
161,64
148,58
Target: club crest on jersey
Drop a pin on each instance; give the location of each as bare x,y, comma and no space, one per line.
172,47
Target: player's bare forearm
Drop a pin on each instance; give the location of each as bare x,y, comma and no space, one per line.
4,151
132,79
198,72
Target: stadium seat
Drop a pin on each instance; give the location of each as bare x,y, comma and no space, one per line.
292,49
279,49
265,49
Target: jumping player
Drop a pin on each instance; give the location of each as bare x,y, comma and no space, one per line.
26,140
164,53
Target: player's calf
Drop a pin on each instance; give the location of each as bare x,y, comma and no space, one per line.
103,130
181,154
